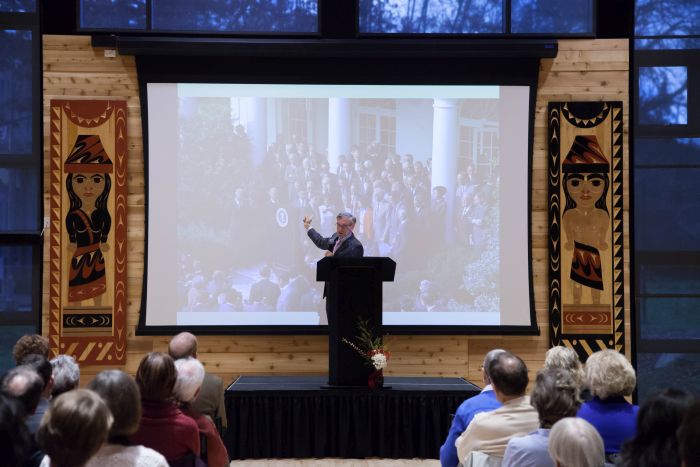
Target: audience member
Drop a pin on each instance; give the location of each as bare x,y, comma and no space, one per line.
66,374
564,357
163,426
190,375
210,401
688,436
573,442
610,377
73,429
30,344
15,440
555,396
24,384
42,366
483,402
120,392
655,444
489,432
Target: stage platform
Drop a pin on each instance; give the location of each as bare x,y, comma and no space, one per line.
292,417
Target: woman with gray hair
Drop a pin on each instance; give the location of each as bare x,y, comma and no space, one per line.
573,442
190,375
567,358
555,396
610,377
120,392
66,374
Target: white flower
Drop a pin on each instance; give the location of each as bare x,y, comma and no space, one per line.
379,361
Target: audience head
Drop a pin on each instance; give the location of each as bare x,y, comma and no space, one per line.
66,374
43,367
156,377
688,436
190,375
508,375
573,442
555,396
183,345
74,427
488,358
24,383
609,374
120,392
657,423
15,440
30,344
566,358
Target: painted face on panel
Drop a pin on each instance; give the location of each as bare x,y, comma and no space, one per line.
585,188
88,186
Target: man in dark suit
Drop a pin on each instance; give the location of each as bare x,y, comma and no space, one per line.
210,400
342,244
264,291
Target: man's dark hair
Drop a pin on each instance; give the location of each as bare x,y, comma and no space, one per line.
508,374
24,384
41,365
15,440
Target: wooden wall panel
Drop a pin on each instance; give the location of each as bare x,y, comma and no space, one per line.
583,70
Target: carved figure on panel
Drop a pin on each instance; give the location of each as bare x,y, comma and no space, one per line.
586,220
88,221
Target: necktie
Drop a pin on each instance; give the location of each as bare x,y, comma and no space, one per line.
337,245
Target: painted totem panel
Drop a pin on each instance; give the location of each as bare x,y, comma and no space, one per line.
586,226
87,271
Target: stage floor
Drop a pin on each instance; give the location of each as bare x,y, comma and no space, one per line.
292,417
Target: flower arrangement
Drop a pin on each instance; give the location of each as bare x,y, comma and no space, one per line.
369,346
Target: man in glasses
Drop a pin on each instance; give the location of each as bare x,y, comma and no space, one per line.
342,244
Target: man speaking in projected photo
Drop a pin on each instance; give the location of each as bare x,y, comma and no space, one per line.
342,244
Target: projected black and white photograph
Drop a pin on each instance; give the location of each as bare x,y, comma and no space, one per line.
420,167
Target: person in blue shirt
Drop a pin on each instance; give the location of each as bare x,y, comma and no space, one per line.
555,396
483,402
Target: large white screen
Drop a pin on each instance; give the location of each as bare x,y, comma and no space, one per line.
437,177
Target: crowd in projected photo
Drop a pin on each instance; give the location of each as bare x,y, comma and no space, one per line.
241,243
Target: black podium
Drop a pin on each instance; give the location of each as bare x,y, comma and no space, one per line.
353,290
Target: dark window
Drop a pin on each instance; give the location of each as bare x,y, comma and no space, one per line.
113,14
15,92
668,152
667,209
432,17
669,318
667,17
668,279
18,199
658,371
666,44
236,15
15,280
17,6
552,16
663,95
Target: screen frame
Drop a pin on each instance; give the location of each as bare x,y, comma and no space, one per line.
439,70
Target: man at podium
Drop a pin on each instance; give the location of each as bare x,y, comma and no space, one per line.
342,244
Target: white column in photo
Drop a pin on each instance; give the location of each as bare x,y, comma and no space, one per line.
339,122
445,152
256,127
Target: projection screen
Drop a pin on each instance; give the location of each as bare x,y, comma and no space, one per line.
437,177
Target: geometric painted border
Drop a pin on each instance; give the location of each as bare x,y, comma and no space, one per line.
88,349
585,345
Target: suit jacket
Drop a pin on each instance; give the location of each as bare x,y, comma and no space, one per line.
350,248
211,399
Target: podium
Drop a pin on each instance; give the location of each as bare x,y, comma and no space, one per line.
353,290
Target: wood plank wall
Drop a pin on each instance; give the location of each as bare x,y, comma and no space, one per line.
583,70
